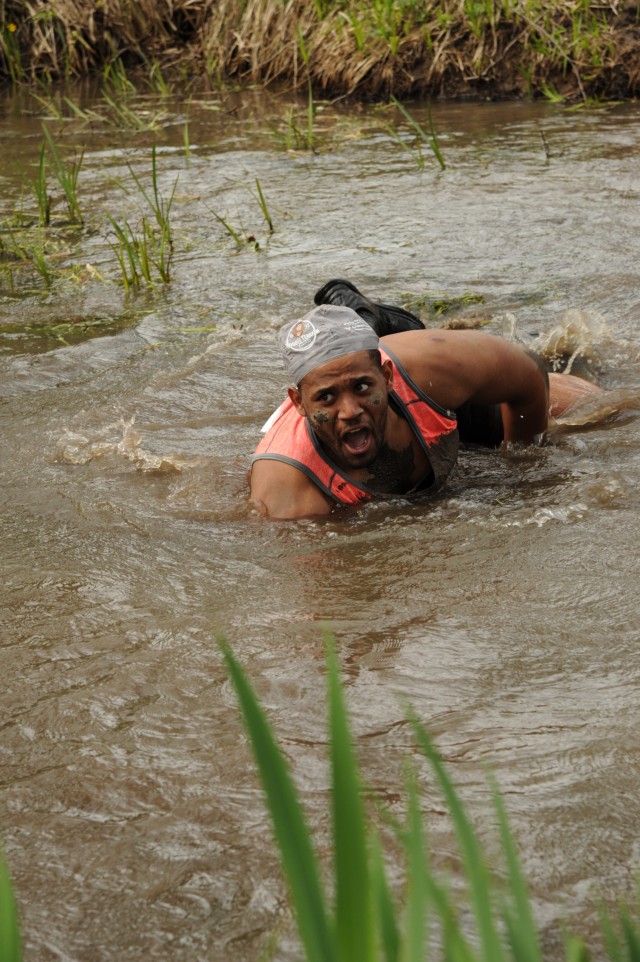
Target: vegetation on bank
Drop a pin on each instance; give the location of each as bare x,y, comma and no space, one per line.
369,49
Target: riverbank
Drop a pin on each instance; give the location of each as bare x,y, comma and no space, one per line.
572,50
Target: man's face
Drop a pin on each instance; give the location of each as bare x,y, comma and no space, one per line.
346,402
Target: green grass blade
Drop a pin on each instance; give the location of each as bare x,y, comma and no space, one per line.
631,934
263,207
520,922
433,143
67,178
298,858
141,186
575,950
384,907
610,936
426,138
413,947
355,932
476,870
456,947
621,935
229,229
10,944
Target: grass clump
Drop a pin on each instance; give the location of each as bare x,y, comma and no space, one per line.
493,922
44,246
65,174
144,256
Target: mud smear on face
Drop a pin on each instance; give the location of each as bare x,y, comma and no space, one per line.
320,417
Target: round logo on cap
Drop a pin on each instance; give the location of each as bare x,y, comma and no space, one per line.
301,336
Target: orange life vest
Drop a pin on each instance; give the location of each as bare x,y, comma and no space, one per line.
290,438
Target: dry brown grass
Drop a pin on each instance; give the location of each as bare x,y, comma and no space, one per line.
362,48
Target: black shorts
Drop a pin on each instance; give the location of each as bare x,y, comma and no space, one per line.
480,424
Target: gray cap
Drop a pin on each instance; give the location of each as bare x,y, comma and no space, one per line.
325,333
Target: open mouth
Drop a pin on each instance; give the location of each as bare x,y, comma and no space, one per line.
357,442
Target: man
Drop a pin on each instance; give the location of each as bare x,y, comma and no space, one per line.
371,416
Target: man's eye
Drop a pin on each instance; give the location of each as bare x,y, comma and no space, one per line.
362,387
325,398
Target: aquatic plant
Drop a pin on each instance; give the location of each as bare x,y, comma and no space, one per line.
493,922
145,255
292,134
429,139
40,190
119,93
131,254
159,205
309,140
242,237
66,175
297,135
20,247
142,256
436,304
186,142
264,208
157,80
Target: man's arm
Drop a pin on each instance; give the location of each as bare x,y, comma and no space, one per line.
453,367
281,491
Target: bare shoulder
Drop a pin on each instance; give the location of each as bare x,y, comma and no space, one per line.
455,366
282,491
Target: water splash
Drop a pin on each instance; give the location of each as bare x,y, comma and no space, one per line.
594,408
75,448
579,335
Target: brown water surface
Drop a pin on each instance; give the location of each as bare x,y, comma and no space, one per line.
506,611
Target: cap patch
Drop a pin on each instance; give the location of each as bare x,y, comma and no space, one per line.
302,336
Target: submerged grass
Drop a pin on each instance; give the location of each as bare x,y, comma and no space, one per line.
362,920
365,48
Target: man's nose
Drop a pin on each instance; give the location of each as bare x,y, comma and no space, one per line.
350,407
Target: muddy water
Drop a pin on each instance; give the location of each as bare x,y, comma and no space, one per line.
505,612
